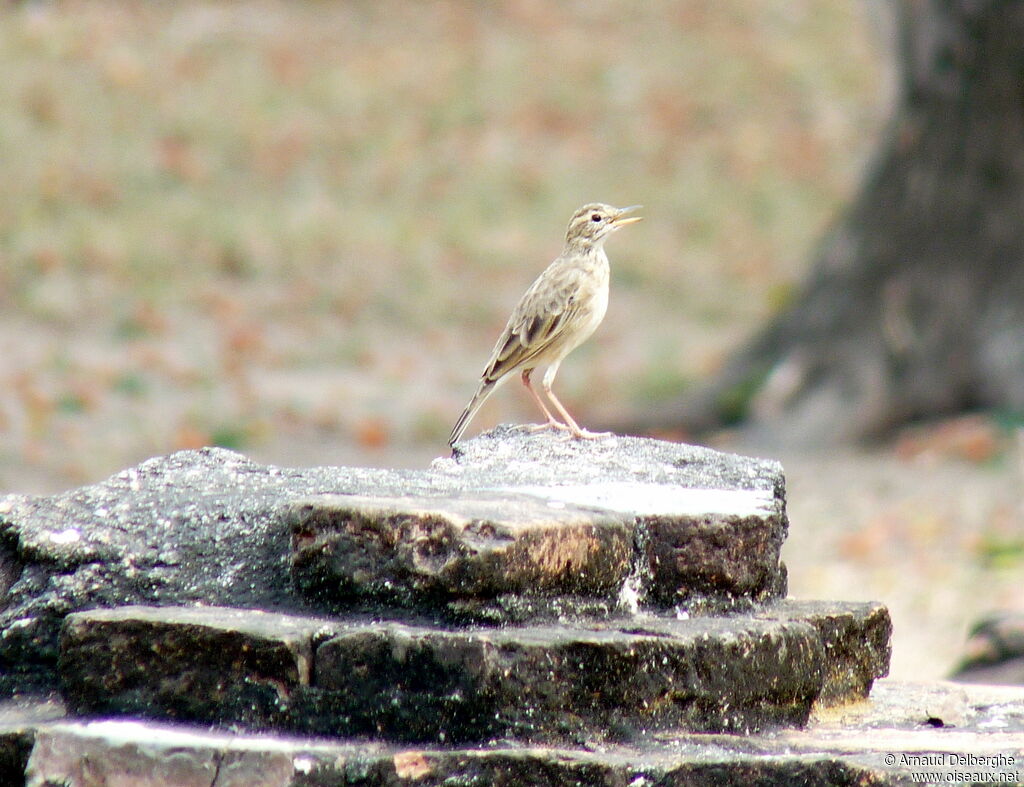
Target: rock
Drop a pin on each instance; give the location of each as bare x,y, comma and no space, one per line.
856,638
211,527
557,682
707,562
101,753
194,527
19,720
950,709
449,553
523,528
1009,672
847,745
896,733
507,556
201,663
995,652
551,611
611,678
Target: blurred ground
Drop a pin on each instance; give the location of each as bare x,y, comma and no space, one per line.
295,229
220,222
934,531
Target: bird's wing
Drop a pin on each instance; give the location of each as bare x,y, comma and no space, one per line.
538,321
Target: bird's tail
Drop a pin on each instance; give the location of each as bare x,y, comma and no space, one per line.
474,404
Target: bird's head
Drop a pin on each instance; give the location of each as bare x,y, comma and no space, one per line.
592,224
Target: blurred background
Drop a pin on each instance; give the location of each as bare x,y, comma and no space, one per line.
295,229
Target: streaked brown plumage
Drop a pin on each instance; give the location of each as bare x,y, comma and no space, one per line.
559,311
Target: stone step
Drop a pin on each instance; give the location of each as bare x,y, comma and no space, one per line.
883,742
606,679
542,552
514,527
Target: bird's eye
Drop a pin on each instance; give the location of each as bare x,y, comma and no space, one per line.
596,217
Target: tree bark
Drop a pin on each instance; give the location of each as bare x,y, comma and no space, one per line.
914,307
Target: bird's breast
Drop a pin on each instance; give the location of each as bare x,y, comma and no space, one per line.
593,299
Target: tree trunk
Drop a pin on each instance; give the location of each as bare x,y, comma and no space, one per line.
915,304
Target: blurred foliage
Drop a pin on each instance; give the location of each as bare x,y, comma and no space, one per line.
300,213
995,552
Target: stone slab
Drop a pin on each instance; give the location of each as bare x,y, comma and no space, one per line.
480,557
212,527
559,682
612,678
20,717
706,528
195,663
857,638
445,553
849,745
509,554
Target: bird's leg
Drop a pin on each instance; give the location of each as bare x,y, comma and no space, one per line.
552,421
583,434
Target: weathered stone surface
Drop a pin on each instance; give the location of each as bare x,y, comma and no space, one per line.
193,527
129,753
448,553
707,527
687,528
844,746
206,663
613,678
898,732
698,561
209,527
15,747
856,637
554,682
19,719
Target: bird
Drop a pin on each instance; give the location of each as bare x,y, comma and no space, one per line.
559,311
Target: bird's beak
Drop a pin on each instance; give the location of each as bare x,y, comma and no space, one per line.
621,220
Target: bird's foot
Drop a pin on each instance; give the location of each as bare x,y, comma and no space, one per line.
583,434
531,428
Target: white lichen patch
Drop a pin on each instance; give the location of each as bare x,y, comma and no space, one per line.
69,536
629,595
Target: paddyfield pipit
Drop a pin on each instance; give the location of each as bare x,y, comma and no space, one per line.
555,315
